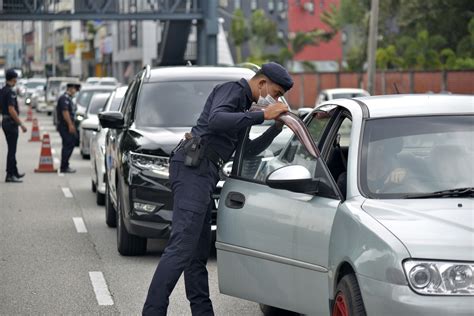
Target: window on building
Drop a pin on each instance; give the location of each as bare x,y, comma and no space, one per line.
237,4
253,5
271,6
224,3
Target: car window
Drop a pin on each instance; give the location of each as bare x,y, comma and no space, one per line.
172,104
261,155
130,99
415,155
85,96
97,103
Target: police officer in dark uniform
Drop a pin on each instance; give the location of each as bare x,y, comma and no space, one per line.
66,112
10,123
194,173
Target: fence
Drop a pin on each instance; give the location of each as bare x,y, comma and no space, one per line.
308,85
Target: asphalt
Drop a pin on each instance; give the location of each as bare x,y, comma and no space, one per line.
45,262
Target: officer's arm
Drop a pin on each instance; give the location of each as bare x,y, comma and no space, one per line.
259,144
67,118
225,114
14,115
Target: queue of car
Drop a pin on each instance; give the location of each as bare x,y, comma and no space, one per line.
365,208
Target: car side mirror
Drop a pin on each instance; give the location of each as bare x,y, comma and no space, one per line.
90,125
112,119
293,178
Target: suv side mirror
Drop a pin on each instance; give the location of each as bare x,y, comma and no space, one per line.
293,178
112,119
90,124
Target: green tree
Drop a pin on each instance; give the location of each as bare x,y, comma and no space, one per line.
239,31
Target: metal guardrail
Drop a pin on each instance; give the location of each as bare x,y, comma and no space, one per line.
100,9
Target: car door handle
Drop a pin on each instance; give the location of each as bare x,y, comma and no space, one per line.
235,200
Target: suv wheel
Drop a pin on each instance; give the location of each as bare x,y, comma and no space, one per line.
348,300
127,244
110,212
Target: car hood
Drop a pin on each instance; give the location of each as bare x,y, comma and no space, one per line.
157,140
440,229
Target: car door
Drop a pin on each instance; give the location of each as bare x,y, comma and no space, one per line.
114,139
272,244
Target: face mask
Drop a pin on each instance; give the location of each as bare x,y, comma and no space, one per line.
265,101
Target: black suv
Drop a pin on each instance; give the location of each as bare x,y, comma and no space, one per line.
159,106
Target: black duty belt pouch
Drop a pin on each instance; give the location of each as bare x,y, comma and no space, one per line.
194,151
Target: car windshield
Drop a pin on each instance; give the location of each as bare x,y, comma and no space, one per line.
85,96
107,83
97,103
417,155
172,104
34,84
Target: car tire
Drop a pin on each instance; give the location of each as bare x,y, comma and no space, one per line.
49,113
127,244
110,212
100,198
93,186
348,301
85,157
275,311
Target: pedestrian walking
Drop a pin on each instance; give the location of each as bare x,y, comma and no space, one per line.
10,124
194,173
65,111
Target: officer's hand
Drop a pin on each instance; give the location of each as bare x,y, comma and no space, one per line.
72,129
23,128
272,111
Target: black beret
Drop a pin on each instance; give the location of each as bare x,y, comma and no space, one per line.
278,74
10,74
73,85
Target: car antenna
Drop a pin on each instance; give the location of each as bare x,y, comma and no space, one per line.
396,87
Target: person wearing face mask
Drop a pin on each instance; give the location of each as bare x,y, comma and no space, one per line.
194,173
66,127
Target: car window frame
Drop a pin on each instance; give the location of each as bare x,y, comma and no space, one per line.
297,126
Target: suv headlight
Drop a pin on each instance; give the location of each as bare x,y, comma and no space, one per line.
440,277
156,164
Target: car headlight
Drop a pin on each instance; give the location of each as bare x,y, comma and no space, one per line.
440,277
79,117
156,164
28,100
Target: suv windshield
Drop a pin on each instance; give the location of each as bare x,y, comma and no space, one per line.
34,84
408,156
172,104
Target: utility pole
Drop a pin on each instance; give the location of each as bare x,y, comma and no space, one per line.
372,46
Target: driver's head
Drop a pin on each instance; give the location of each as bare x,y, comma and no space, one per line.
272,79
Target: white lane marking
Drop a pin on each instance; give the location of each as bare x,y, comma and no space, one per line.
101,290
67,192
79,223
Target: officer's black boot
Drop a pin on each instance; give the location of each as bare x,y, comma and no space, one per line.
12,178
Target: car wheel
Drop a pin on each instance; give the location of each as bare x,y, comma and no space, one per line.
49,113
110,212
100,198
84,156
127,244
348,300
93,187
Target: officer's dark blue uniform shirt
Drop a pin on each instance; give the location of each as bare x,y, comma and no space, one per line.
64,104
225,117
7,98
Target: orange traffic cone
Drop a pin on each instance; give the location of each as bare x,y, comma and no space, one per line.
46,158
35,134
29,115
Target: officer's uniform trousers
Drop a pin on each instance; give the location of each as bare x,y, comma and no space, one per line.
189,245
68,144
10,128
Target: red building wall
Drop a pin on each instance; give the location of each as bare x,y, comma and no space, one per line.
301,20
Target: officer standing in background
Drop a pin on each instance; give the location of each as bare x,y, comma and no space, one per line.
66,127
10,123
194,173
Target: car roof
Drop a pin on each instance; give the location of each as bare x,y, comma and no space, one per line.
95,87
344,90
195,72
411,104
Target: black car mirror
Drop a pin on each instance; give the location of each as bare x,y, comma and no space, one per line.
112,119
293,178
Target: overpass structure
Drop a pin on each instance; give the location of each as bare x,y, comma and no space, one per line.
177,15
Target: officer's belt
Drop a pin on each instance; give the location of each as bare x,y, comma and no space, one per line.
214,157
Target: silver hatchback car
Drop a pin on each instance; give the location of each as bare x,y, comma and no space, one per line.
367,209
